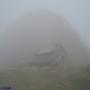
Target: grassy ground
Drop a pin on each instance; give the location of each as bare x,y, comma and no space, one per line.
27,79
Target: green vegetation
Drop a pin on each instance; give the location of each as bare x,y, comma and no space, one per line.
46,80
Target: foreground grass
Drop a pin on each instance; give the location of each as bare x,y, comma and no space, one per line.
45,80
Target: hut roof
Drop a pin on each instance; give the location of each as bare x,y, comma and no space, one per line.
46,50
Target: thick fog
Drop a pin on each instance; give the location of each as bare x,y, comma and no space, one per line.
44,45
37,30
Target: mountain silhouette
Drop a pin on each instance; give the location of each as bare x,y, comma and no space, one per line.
41,29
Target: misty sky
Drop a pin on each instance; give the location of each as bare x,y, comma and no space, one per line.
77,12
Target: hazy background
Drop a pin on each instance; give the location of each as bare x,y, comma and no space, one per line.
16,34
29,32
77,12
